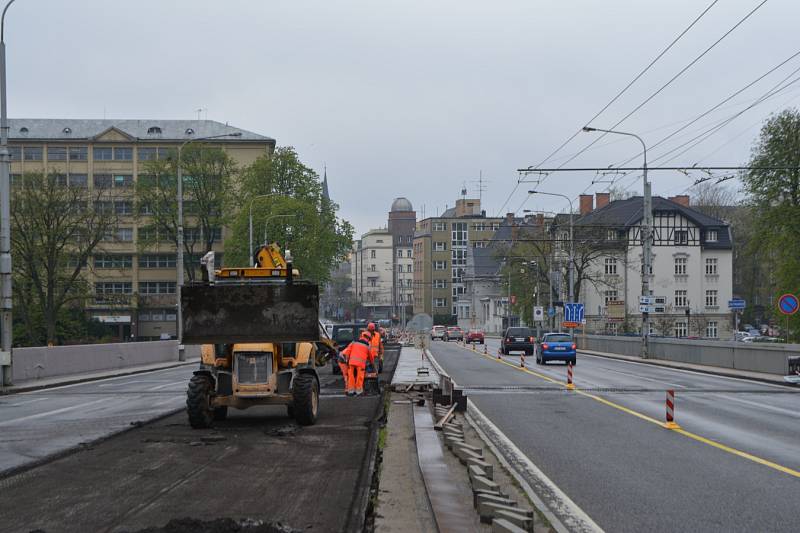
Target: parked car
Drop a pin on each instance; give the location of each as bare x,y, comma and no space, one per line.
437,332
475,335
453,333
556,347
517,339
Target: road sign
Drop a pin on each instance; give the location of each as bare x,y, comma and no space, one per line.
788,304
573,312
647,308
538,314
736,303
570,324
647,300
551,312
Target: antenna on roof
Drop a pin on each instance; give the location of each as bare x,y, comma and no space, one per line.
481,185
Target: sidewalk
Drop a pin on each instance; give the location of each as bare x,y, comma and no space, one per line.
57,381
716,370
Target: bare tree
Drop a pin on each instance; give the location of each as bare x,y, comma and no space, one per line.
55,228
717,201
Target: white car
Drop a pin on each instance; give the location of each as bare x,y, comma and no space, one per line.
437,332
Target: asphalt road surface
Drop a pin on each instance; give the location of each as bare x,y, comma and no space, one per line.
258,464
734,465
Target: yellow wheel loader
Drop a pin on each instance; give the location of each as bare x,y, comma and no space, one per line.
261,339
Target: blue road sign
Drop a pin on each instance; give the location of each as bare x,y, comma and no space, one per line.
551,312
736,303
788,304
573,312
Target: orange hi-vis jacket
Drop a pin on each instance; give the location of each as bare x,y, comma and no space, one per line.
358,353
375,345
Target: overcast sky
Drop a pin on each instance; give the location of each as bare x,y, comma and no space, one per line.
415,98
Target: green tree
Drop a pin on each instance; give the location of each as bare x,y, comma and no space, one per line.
773,191
209,192
55,229
292,211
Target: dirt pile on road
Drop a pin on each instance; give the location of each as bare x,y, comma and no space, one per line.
220,525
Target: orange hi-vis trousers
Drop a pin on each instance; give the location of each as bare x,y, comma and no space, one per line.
345,375
356,381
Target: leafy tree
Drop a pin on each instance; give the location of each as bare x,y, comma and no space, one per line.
288,205
209,192
773,192
55,228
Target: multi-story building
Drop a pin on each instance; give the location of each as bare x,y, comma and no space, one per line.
110,155
372,270
440,255
692,269
402,223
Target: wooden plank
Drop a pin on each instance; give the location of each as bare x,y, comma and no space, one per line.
442,421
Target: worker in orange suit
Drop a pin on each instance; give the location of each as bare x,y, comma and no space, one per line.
375,344
341,360
358,353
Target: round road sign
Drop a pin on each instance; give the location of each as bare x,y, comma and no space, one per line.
788,304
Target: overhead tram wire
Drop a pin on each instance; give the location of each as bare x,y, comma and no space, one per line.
671,80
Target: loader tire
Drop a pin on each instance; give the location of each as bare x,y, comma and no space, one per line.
290,410
198,402
221,413
305,399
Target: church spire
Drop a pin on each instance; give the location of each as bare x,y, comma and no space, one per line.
325,184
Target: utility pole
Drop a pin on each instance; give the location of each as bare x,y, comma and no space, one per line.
647,242
6,299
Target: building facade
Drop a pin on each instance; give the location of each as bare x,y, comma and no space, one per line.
440,255
402,223
692,269
134,285
372,270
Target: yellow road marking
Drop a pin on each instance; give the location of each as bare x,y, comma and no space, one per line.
680,431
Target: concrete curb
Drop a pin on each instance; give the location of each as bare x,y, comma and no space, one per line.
702,369
74,379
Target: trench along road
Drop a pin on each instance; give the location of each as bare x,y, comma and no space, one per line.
734,465
257,464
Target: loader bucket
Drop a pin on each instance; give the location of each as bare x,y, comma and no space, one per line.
250,312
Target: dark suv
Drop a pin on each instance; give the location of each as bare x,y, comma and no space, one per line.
342,335
517,340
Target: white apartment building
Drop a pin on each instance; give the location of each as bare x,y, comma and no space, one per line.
371,267
692,270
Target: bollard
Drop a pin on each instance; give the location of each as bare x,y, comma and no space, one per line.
522,360
671,424
498,353
485,349
570,385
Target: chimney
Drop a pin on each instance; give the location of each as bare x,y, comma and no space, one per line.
602,199
540,219
682,199
586,203
509,218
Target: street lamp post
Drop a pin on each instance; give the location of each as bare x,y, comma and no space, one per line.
571,242
647,244
289,215
179,258
5,219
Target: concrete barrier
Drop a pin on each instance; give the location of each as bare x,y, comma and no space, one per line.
46,362
767,358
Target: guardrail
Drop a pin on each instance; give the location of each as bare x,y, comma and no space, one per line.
770,359
45,362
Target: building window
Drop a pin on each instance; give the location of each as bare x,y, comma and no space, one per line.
102,153
611,235
479,244
123,207
681,328
372,268
711,330
78,153
680,266
15,153
56,153
113,287
373,283
123,153
156,261
372,254
156,287
119,235
711,298
79,180
680,299
408,268
712,235
400,268
439,246
439,284
439,226
459,234
408,253
439,265
166,153
102,181
610,296
611,266
681,237
711,266
147,154
399,253
440,302
113,261
123,180
479,226
32,153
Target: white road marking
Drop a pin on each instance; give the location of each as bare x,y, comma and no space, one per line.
781,410
94,381
50,413
18,404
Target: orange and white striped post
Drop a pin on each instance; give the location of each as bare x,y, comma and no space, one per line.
485,349
671,424
570,385
522,360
